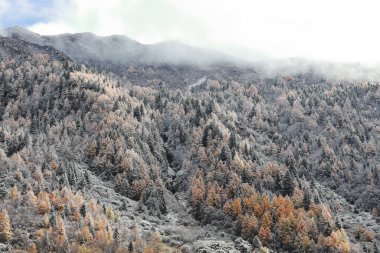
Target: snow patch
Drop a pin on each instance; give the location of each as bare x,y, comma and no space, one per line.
197,83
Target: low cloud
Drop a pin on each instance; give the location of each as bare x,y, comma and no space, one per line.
319,69
340,31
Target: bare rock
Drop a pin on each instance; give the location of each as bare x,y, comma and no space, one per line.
4,247
256,243
242,245
211,246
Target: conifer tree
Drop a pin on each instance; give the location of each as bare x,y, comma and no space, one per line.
116,235
225,155
14,194
83,210
306,200
60,233
32,248
376,248
5,226
287,185
130,247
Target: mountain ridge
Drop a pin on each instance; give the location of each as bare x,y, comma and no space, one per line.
122,49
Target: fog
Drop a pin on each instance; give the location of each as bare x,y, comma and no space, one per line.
325,69
335,31
122,50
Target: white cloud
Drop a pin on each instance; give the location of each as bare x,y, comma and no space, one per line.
329,30
4,6
25,11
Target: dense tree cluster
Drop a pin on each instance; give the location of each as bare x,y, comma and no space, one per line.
248,156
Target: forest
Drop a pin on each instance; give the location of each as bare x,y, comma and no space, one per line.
252,159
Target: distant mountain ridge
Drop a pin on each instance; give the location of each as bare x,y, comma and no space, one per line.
14,48
119,49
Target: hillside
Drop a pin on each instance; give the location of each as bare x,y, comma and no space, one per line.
120,49
176,64
12,48
91,163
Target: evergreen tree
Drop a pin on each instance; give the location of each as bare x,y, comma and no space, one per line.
142,113
130,247
287,184
115,106
116,235
52,220
83,210
44,166
338,223
2,136
137,114
124,206
225,155
306,200
233,142
33,126
376,248
277,182
87,177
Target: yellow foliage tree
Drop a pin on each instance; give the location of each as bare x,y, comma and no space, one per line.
101,237
155,244
197,190
14,194
339,240
5,226
266,220
249,224
284,231
250,202
32,248
43,204
32,199
233,207
60,233
76,215
213,195
43,207
265,234
86,234
92,149
111,215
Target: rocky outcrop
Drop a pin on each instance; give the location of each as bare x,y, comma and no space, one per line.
242,245
4,247
209,246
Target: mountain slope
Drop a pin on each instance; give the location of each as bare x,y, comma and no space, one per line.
119,49
14,48
90,163
173,63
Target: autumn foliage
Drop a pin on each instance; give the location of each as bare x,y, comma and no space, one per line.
5,227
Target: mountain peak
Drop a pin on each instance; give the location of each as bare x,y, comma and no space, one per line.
18,30
22,33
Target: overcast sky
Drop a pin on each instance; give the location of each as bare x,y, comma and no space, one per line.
334,30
